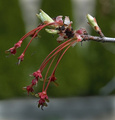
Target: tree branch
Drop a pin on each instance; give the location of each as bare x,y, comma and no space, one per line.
98,39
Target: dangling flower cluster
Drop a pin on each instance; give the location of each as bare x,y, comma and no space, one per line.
67,36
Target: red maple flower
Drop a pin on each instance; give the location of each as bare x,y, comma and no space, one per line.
37,74
18,44
34,81
20,58
52,78
43,99
12,50
29,89
43,95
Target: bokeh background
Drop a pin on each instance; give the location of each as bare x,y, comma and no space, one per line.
87,70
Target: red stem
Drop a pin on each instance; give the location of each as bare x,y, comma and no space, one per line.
54,51
29,33
45,63
57,65
30,41
38,28
57,60
62,56
47,72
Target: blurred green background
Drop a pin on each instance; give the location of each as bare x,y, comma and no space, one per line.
83,71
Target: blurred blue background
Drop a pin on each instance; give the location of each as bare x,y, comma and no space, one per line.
85,70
